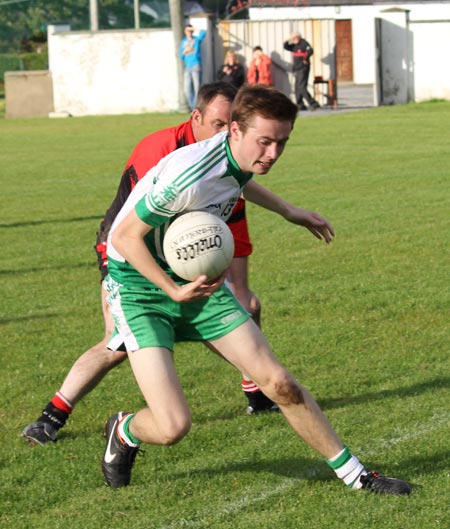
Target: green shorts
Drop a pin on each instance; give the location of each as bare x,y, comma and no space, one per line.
147,317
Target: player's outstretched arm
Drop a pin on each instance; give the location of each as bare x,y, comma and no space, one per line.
312,221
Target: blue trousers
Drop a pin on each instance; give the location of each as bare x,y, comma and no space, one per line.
192,81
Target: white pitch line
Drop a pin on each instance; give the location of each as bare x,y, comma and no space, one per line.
231,508
437,421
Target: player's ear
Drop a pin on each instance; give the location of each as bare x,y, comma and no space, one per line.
235,131
196,116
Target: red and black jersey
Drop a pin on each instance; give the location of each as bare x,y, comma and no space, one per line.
301,52
147,153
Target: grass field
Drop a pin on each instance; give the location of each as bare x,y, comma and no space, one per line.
363,323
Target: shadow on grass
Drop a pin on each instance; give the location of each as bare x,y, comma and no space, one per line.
342,402
28,223
30,318
407,391
294,468
15,272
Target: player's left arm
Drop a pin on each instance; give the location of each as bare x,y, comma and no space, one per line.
312,221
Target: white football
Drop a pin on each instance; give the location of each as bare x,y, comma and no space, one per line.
198,243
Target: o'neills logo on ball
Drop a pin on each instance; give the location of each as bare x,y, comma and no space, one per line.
195,249
195,234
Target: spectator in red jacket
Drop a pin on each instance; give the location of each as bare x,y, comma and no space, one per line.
259,68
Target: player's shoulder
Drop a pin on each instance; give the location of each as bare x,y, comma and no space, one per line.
194,155
210,145
168,134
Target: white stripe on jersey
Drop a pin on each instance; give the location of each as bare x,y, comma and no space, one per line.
195,177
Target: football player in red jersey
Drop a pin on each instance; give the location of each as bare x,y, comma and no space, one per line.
211,115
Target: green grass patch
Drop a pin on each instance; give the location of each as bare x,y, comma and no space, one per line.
363,323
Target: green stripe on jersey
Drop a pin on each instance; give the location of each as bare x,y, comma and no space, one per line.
151,217
186,179
200,168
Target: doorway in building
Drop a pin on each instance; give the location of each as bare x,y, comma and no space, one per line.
344,50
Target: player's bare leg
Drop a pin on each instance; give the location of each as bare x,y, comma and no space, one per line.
296,403
237,280
300,408
165,421
88,370
167,418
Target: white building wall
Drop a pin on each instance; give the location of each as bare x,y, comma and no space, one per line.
112,72
431,43
364,53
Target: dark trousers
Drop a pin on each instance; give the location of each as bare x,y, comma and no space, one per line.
301,87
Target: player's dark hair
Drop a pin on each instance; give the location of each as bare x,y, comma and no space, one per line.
264,101
257,48
209,91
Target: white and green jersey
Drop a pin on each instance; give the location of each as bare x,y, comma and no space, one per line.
199,177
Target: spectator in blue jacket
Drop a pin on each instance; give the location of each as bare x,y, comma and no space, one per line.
190,53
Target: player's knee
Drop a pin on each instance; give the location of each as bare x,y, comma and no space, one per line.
104,357
116,357
286,390
175,430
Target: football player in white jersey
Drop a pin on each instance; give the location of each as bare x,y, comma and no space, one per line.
153,308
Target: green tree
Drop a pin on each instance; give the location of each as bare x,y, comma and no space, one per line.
24,22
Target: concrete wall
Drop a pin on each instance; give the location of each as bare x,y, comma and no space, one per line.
111,72
395,65
28,94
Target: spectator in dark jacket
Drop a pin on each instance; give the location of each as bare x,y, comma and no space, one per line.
231,71
301,52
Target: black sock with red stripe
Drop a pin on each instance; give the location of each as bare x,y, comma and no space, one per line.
256,398
57,411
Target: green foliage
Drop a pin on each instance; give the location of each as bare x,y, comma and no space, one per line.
35,61
363,323
10,62
23,24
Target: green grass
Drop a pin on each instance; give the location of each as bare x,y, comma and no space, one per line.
363,323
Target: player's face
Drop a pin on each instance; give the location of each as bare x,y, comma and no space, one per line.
256,150
214,119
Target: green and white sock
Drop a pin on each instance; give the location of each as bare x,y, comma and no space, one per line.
124,431
348,468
